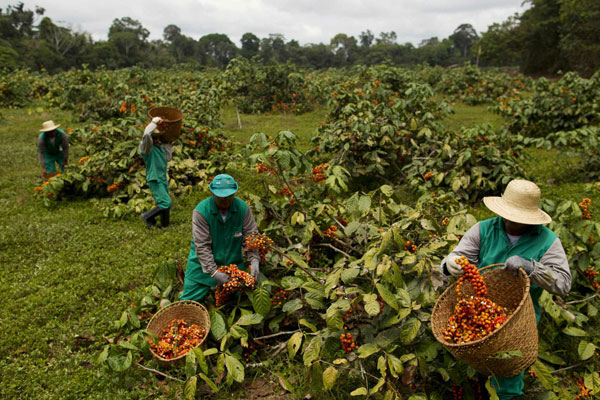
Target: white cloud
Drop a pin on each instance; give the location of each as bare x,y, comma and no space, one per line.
307,21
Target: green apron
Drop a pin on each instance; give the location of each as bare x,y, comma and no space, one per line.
495,248
156,175
227,240
54,153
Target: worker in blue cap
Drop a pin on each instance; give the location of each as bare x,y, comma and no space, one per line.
220,225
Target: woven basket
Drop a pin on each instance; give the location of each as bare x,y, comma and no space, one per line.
190,311
172,118
519,332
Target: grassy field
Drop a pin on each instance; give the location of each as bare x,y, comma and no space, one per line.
67,272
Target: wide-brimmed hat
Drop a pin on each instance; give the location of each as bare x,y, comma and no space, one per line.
519,203
48,126
223,185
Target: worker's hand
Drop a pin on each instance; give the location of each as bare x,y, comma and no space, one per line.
452,266
254,270
156,120
221,277
513,263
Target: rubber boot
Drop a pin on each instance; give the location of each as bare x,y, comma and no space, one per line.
164,217
149,217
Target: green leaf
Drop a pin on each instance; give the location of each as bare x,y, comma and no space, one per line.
189,390
201,359
235,368
586,350
572,331
217,325
312,351
210,383
261,301
409,330
364,204
292,305
362,391
334,318
377,386
371,304
294,343
190,364
543,374
395,365
491,389
349,274
250,319
307,324
329,377
367,349
104,355
128,345
387,296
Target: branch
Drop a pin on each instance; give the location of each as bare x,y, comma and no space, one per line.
570,367
158,372
282,254
582,300
276,334
332,247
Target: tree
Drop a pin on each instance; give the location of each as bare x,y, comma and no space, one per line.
130,38
580,42
387,38
366,38
344,48
217,49
463,37
501,44
250,45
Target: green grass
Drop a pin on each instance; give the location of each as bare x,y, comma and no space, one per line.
67,272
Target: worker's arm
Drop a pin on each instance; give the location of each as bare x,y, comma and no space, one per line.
41,146
147,142
468,246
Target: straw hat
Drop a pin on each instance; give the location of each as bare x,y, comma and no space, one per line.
519,203
48,126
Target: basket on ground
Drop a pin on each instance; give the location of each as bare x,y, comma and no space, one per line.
519,332
191,312
172,118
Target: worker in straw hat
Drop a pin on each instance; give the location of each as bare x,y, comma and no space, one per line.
220,225
53,148
518,239
156,155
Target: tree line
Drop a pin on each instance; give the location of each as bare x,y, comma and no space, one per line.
550,36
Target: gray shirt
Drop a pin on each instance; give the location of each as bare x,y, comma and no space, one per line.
41,146
147,142
551,272
203,241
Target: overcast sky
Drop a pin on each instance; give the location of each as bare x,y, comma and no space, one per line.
308,21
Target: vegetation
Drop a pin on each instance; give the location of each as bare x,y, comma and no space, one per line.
358,227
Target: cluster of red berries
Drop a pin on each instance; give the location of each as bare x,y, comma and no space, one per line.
330,232
239,280
585,213
285,191
279,297
348,343
318,172
445,221
476,317
427,175
177,339
262,167
470,273
457,392
585,392
248,352
381,303
410,246
260,242
532,374
113,187
590,275
343,221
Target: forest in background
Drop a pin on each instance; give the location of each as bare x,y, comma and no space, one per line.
549,37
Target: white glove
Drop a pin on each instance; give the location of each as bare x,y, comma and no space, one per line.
156,120
254,270
453,268
221,277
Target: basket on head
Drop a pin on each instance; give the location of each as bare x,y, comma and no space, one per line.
519,332
172,118
191,312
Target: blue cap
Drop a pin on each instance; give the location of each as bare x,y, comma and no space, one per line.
223,185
